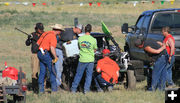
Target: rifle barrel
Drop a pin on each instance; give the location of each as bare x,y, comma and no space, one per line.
21,31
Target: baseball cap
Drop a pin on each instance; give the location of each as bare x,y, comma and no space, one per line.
80,26
106,51
39,26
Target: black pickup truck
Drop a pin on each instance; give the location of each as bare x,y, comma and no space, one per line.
148,26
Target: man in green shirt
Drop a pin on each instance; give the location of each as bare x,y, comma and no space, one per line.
87,45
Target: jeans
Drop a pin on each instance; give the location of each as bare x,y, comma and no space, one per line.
159,74
169,71
59,66
149,76
79,73
100,82
46,62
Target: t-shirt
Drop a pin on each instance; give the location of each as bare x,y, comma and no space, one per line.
68,34
87,45
153,44
47,40
109,69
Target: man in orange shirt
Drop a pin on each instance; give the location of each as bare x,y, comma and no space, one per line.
109,70
47,55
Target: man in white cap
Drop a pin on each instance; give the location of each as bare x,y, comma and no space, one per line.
71,33
68,35
47,55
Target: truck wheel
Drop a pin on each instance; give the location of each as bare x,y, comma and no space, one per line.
131,79
138,66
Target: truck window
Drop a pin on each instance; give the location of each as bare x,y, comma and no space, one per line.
146,23
139,22
170,19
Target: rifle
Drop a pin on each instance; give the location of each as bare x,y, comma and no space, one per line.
21,31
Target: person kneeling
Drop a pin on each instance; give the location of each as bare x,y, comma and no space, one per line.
109,72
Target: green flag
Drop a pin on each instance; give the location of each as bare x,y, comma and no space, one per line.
105,29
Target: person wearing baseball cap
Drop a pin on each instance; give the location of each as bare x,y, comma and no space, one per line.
109,72
31,40
47,55
71,33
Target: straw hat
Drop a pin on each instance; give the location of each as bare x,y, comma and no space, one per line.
58,27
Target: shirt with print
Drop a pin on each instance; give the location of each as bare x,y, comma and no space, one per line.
87,45
109,69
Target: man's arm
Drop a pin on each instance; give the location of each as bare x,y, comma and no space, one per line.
53,51
172,46
117,73
160,43
154,51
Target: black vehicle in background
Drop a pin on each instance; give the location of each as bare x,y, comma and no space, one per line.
148,26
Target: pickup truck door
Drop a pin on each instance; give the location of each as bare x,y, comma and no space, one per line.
136,52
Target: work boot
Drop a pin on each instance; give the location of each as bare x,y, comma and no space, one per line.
35,86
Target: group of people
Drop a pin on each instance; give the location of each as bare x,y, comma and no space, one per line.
162,60
50,55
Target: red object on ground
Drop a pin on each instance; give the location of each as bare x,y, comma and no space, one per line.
106,51
99,3
178,11
24,88
34,4
90,4
44,4
153,2
10,72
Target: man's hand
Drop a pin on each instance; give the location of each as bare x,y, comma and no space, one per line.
98,70
55,60
29,37
169,60
160,43
68,42
164,46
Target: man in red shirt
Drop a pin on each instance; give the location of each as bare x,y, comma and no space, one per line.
170,47
109,70
47,56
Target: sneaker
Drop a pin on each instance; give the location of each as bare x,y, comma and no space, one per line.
100,90
110,88
73,92
171,86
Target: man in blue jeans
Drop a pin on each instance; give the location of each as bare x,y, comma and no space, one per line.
87,45
158,56
59,63
47,56
170,47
